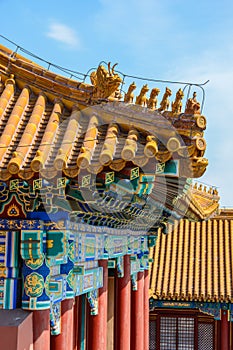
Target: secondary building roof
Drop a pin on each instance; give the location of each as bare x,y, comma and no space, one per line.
194,261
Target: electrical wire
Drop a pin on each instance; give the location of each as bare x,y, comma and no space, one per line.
76,74
102,62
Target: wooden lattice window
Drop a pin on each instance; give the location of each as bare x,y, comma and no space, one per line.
176,333
186,333
152,335
205,336
168,332
181,330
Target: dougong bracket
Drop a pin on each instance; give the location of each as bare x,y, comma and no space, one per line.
120,266
92,298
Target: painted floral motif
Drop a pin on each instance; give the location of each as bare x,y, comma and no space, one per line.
46,285
71,279
34,285
2,272
34,263
71,252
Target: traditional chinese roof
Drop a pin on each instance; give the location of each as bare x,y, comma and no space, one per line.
53,127
199,202
40,126
194,261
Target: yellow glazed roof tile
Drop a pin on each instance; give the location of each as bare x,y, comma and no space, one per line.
191,241
173,261
227,263
48,138
184,276
203,259
153,270
199,265
28,136
197,260
231,250
221,260
13,122
179,258
215,258
209,270
6,95
166,275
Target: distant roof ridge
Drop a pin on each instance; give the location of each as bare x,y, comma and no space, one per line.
225,213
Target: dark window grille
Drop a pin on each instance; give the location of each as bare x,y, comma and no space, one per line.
180,333
152,335
205,336
185,333
168,332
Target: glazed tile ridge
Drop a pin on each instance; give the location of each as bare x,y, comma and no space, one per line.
27,138
89,144
39,160
13,122
7,95
109,146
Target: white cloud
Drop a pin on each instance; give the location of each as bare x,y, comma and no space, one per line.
64,34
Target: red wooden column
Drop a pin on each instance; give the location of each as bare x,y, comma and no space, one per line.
123,306
81,322
97,332
76,324
64,340
111,311
146,310
224,330
217,342
41,330
231,335
137,315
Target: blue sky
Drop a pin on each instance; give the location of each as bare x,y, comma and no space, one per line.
169,39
